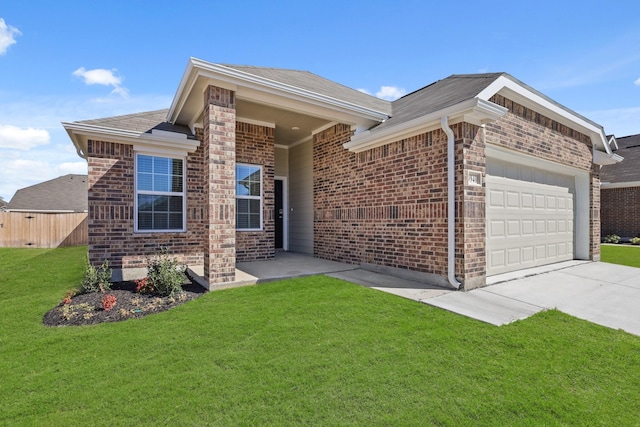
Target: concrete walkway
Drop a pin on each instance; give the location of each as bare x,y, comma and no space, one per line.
606,294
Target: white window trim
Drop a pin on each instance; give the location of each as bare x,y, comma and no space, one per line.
183,194
261,228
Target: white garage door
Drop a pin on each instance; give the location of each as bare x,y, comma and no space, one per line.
530,217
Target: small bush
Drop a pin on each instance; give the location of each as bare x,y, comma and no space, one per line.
612,238
96,279
165,274
635,241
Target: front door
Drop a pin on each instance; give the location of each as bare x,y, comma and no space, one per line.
279,214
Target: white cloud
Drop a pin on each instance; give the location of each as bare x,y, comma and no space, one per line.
389,93
22,139
637,82
8,36
73,167
101,76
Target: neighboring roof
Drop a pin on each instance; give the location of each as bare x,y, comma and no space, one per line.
144,122
314,83
65,193
627,170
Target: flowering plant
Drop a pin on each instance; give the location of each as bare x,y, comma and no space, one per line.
108,302
144,286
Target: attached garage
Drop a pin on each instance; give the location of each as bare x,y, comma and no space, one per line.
530,216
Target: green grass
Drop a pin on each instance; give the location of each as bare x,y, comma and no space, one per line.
311,351
621,254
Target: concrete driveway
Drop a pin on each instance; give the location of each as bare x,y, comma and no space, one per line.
602,293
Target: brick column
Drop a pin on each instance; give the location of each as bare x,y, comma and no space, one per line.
220,170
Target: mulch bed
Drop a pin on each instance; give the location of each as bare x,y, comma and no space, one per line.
86,309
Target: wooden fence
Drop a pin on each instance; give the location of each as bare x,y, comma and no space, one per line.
42,230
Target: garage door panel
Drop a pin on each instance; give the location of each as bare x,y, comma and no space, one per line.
529,216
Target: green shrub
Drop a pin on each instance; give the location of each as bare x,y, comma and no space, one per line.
635,241
165,274
612,238
96,279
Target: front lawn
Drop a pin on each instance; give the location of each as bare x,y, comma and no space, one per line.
312,351
621,254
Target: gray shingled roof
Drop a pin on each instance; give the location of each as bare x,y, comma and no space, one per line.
68,193
441,94
629,169
317,84
141,122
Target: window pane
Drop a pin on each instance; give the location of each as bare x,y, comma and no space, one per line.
248,180
161,204
145,181
161,165
175,204
145,164
145,221
145,203
175,221
160,221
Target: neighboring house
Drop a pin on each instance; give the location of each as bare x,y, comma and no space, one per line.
471,176
47,215
66,193
3,205
620,190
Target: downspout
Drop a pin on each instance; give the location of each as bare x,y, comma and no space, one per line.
451,207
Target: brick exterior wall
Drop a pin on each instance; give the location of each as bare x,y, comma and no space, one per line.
111,205
219,147
255,145
472,256
386,206
620,211
530,133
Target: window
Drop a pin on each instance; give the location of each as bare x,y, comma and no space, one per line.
160,196
248,197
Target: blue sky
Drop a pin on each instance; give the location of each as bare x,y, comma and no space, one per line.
76,60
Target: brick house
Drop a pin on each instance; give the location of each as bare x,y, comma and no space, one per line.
473,175
620,190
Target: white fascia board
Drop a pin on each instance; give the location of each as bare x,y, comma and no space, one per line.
237,80
167,142
601,158
528,97
628,184
475,111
